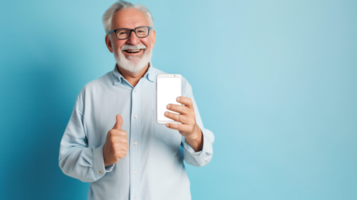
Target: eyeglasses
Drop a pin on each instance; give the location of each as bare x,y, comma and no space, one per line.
124,33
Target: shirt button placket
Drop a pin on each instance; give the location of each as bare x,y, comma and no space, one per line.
135,153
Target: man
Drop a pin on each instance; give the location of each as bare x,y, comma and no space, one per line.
112,139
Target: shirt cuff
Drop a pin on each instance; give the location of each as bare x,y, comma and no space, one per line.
99,168
109,168
200,158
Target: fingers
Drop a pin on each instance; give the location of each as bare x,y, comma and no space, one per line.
117,138
116,144
178,108
180,127
187,113
116,133
123,147
185,100
119,122
120,153
177,117
115,148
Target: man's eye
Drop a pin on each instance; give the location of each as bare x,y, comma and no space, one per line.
122,33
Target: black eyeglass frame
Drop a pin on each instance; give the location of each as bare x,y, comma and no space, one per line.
130,30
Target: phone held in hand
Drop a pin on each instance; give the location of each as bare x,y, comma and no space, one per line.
168,88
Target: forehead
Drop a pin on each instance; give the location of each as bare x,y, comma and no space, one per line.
129,18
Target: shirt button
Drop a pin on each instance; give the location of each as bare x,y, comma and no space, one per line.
135,116
100,172
135,143
135,90
135,171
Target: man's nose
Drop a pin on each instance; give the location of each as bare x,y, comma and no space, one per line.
133,39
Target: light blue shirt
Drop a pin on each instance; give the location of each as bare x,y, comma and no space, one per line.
153,168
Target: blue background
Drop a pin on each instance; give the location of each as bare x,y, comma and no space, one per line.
275,81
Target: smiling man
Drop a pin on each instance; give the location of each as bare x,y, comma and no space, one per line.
112,139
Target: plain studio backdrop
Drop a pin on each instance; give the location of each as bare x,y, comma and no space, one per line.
275,81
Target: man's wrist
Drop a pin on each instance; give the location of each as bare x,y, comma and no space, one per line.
196,139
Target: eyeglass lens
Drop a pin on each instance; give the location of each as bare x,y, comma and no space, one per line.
140,32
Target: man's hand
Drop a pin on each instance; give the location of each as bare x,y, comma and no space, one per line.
189,129
116,145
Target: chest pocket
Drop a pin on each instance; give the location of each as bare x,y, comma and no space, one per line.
169,136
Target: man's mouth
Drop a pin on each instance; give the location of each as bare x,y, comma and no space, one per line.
133,50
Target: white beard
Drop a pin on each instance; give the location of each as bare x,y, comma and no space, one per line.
133,64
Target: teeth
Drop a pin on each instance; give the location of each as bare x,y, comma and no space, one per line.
133,50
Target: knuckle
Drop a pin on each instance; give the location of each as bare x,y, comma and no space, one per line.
112,133
186,109
122,132
116,148
182,118
116,155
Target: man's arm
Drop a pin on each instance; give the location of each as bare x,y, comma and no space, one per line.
76,158
198,140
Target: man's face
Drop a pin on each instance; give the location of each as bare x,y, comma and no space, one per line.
127,59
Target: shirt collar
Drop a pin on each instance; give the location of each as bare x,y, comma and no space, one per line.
149,75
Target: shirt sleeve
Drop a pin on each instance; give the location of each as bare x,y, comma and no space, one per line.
76,158
204,156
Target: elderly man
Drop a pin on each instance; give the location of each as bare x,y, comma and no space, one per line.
112,139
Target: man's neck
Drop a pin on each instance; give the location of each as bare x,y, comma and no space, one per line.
133,79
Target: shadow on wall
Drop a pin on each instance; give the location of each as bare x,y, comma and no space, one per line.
36,106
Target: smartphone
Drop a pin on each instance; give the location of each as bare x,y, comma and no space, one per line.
168,88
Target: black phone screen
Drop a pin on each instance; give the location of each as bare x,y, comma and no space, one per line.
169,88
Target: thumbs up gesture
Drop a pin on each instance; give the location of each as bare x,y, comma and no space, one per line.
116,144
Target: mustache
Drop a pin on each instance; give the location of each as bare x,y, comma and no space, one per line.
128,47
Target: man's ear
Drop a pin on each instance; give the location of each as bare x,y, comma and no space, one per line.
108,42
153,38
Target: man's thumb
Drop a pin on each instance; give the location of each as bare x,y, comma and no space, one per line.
119,122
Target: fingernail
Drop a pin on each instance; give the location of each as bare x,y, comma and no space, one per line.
178,98
163,113
167,106
166,113
167,125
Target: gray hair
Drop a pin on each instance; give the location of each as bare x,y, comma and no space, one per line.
119,5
